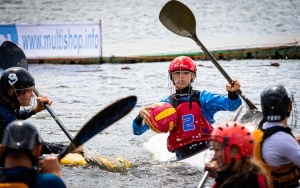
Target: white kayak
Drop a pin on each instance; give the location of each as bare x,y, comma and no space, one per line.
160,152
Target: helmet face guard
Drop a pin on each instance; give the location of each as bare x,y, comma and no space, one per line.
18,79
293,113
182,64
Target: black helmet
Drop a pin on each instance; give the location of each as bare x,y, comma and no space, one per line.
21,135
275,102
18,78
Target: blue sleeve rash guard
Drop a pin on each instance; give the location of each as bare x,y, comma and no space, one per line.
210,104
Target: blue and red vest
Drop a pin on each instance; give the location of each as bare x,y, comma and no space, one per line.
191,126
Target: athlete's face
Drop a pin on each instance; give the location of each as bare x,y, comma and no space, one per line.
220,154
182,79
25,96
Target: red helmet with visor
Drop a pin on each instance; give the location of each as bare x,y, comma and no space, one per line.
182,63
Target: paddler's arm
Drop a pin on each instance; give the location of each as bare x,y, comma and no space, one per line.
50,164
233,101
138,125
142,121
232,94
24,114
40,101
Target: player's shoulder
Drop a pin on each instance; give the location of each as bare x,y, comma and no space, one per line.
47,180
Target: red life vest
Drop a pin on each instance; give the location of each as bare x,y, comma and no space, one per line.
191,126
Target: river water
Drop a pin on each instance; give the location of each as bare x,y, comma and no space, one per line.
79,91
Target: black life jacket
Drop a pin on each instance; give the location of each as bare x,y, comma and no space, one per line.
27,177
285,176
176,102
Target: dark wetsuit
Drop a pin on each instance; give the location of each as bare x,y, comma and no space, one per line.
251,181
8,114
30,177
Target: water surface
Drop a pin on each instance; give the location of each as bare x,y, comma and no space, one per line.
79,91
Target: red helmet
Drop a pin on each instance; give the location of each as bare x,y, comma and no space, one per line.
234,134
182,63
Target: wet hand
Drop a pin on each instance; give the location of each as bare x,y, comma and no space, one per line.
78,150
41,101
212,168
233,88
51,164
145,115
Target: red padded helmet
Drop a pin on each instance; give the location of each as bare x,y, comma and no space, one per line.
182,63
234,134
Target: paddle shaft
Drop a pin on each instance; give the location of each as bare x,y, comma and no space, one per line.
179,19
237,113
17,58
55,117
223,72
203,179
212,58
205,175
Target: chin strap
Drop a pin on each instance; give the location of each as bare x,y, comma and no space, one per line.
33,160
232,163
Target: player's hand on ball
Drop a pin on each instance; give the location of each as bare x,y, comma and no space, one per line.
161,117
145,114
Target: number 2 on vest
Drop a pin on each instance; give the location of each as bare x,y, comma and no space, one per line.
188,122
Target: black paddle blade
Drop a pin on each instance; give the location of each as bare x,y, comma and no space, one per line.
178,18
12,56
101,121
